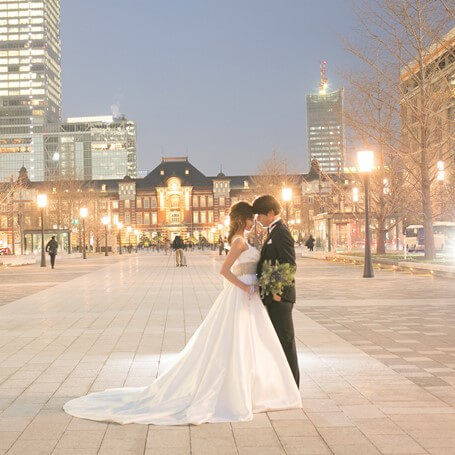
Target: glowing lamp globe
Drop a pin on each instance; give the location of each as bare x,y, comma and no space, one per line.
286,194
41,200
365,161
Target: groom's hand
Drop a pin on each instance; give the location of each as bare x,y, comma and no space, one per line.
276,297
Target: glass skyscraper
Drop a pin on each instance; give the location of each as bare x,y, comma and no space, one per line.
326,140
89,148
30,86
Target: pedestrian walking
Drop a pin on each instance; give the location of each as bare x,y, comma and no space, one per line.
51,248
178,245
310,243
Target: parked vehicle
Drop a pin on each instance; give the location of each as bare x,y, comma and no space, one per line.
4,251
444,236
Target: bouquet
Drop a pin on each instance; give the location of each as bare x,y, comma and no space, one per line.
275,277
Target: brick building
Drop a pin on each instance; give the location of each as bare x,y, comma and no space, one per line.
175,198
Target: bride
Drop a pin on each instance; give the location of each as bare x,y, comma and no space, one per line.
233,365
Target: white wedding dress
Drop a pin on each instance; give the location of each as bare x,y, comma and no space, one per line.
233,366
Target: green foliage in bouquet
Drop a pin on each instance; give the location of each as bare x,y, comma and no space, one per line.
276,277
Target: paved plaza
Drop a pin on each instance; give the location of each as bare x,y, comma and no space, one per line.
377,358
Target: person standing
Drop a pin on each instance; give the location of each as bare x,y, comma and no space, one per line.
51,248
220,246
278,247
177,245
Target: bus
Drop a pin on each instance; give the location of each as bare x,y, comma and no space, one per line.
444,237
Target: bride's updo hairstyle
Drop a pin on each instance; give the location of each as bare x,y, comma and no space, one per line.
240,213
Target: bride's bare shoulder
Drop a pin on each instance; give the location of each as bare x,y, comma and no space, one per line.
239,242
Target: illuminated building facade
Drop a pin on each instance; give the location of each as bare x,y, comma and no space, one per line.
90,148
325,127
30,86
175,198
31,132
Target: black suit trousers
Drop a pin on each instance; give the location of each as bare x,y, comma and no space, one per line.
281,316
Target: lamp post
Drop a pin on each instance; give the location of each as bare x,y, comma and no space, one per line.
286,195
129,229
365,161
105,220
41,201
441,177
120,225
83,212
136,233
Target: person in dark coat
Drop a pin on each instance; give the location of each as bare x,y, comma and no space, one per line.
310,243
278,246
51,248
220,246
178,245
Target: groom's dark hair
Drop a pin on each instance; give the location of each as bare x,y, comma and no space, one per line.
263,204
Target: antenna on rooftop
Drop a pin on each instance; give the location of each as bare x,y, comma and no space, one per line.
324,82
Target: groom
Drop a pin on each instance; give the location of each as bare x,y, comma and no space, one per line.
278,246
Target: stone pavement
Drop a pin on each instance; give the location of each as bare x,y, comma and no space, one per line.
377,359
19,281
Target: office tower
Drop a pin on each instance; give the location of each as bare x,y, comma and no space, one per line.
90,148
30,87
325,126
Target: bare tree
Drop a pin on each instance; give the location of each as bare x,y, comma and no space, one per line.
272,176
405,46
374,122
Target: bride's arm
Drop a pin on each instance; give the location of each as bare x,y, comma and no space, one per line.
237,248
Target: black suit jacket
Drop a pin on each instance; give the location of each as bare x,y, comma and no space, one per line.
278,246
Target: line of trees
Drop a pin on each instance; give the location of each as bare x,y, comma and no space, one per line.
399,105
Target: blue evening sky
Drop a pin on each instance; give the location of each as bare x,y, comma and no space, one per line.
224,80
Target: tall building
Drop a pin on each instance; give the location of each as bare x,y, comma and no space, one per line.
30,86
325,126
89,148
31,132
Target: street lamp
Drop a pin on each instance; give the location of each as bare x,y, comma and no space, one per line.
129,229
105,220
83,212
120,225
365,162
286,195
41,201
441,171
136,233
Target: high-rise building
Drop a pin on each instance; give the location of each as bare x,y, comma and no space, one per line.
325,126
30,87
31,132
88,148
